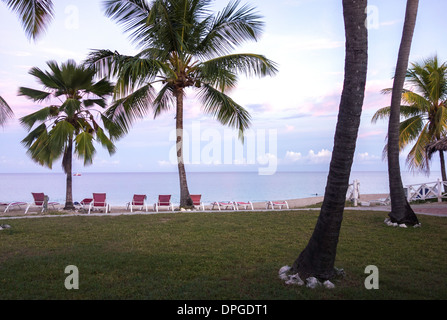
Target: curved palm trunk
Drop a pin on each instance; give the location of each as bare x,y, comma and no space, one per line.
401,212
185,198
443,170
67,164
318,258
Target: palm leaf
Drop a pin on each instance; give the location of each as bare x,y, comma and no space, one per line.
224,109
230,28
34,14
124,112
35,95
5,111
105,141
84,147
41,115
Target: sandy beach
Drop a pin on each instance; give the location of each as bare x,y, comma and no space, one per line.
373,202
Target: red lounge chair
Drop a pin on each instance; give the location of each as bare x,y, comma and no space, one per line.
226,204
164,201
99,201
10,205
196,201
39,201
137,201
86,202
278,204
243,204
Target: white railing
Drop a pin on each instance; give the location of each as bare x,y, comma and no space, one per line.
353,193
429,190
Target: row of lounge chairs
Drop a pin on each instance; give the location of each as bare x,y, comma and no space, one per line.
99,202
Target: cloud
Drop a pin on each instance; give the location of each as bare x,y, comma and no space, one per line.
312,157
365,156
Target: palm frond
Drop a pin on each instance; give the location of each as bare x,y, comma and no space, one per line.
164,100
5,111
132,14
409,130
417,157
221,71
105,141
230,28
35,15
224,109
29,120
124,112
33,94
58,137
84,147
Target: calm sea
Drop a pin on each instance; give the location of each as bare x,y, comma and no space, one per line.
235,186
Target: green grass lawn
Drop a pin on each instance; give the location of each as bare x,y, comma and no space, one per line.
215,256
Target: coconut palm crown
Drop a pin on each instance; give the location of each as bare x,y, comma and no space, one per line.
424,110
71,118
183,45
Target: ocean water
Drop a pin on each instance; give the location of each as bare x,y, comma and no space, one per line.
233,186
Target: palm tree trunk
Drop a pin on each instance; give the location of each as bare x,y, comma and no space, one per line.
185,198
318,258
67,165
443,171
401,212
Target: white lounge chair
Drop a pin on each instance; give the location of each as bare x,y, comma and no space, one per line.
245,205
99,202
226,204
279,204
138,200
39,201
164,200
196,201
10,205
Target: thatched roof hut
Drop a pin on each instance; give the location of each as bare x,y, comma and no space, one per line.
440,145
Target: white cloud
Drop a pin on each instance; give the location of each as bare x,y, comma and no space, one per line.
322,156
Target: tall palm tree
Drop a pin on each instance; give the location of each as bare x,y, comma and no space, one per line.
35,16
71,118
401,211
424,111
318,258
183,46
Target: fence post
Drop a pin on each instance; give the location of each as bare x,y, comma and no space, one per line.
439,190
355,192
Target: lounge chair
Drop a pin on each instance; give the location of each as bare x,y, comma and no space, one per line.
278,204
226,204
39,201
164,200
245,205
10,205
196,201
86,202
99,201
137,201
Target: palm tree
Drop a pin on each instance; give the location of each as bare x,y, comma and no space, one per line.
35,16
424,111
183,46
69,119
401,211
318,258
